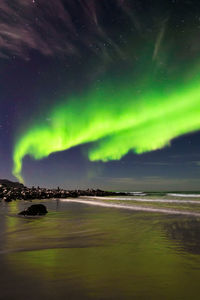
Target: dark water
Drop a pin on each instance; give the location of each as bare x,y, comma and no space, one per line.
86,252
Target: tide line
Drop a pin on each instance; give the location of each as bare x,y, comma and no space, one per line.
135,208
147,200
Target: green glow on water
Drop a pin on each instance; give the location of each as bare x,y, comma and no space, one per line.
118,119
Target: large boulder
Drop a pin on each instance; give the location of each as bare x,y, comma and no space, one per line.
34,210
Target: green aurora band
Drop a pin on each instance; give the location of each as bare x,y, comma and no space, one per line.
118,119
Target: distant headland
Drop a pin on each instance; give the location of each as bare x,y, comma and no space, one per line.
8,183
10,191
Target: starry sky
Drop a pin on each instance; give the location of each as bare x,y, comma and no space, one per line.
100,93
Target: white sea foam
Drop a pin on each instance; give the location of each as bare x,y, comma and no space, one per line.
146,200
138,193
131,207
184,195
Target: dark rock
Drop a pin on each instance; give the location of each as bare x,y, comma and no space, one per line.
34,210
16,191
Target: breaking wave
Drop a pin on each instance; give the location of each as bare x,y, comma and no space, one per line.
147,200
184,195
135,208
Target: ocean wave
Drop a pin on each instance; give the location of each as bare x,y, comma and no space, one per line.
144,200
135,208
184,195
138,193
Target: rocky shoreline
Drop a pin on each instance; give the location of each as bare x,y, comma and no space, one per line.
10,191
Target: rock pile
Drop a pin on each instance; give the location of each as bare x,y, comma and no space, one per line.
20,192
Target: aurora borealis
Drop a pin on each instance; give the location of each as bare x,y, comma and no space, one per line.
125,122
114,82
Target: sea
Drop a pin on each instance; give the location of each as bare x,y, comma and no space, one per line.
140,246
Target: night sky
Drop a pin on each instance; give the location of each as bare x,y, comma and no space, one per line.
100,93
